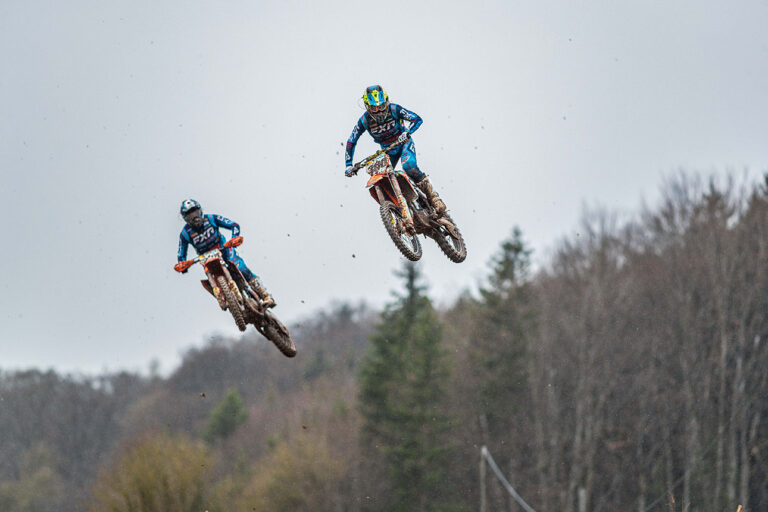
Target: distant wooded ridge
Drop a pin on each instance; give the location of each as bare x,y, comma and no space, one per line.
629,373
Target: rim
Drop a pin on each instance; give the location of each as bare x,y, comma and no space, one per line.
455,242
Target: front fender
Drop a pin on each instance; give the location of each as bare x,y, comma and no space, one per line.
379,187
375,179
214,267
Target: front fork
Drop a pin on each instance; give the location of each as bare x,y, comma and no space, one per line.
217,291
405,212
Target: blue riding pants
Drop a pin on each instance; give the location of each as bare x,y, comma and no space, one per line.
407,152
232,256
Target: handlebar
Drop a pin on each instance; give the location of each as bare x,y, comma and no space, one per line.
362,163
184,265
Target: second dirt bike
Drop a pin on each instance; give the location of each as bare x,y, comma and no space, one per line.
226,283
406,211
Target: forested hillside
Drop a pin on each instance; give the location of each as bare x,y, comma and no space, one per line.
627,373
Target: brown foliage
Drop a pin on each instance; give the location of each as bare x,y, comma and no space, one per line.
155,473
298,476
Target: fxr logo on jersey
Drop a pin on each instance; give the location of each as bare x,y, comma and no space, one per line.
382,128
199,238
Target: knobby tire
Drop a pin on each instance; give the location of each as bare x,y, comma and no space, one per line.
448,244
388,210
232,304
278,334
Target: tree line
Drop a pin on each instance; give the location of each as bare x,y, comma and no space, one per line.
626,373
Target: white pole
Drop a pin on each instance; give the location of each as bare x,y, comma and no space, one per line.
483,502
485,454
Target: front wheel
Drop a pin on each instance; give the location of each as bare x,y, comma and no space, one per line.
232,304
274,330
409,245
452,244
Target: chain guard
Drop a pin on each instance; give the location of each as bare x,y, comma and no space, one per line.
420,220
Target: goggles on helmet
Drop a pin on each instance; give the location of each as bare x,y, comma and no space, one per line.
194,216
379,112
378,109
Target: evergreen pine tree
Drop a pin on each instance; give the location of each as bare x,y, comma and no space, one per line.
505,319
402,384
225,417
505,322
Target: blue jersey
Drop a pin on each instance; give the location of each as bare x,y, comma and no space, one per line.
207,237
383,132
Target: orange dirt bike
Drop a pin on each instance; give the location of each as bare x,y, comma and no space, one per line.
227,284
406,212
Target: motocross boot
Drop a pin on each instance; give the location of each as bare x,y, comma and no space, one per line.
434,199
266,298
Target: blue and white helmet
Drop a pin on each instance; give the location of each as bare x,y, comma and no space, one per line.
188,205
192,212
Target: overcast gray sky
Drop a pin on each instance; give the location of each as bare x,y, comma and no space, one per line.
111,113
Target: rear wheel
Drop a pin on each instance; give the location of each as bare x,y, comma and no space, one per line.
232,304
452,246
274,330
409,245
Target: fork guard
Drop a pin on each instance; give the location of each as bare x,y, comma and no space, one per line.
215,292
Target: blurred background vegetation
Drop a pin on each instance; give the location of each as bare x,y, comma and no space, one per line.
627,371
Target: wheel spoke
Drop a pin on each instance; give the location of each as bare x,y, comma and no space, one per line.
398,224
453,241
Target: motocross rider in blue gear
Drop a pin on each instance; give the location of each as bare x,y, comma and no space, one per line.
384,121
202,232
